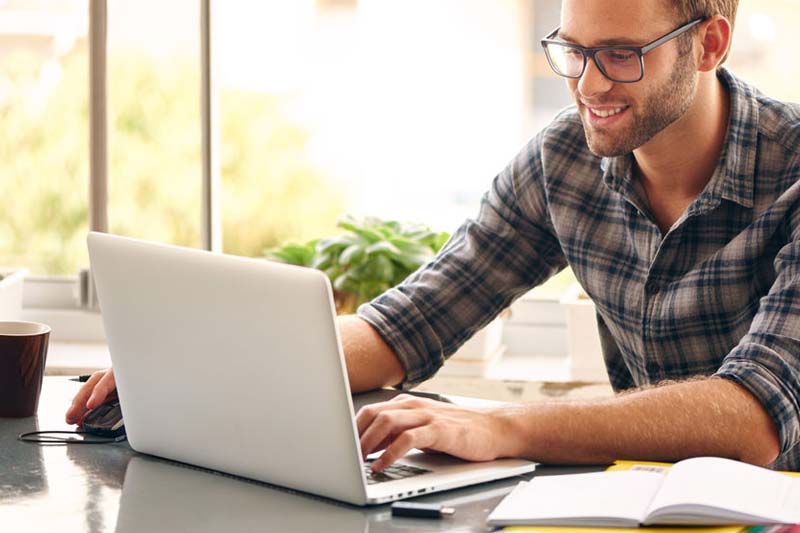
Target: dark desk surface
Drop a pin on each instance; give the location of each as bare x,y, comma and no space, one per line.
110,487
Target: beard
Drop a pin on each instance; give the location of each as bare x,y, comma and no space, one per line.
663,106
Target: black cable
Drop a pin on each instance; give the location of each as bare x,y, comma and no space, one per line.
54,437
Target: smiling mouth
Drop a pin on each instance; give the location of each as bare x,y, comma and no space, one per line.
607,111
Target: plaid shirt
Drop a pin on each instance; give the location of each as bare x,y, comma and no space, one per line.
718,294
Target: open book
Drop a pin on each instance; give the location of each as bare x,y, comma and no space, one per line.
699,491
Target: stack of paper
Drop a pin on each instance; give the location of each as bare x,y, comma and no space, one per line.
699,491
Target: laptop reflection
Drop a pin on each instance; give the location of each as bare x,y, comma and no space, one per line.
166,496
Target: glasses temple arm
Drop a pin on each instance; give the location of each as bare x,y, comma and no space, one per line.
671,35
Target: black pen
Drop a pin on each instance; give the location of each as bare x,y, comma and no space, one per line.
421,510
81,379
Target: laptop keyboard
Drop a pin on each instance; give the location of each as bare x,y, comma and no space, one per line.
392,473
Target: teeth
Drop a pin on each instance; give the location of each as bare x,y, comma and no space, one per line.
606,112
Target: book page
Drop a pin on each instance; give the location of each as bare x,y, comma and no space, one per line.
723,491
602,498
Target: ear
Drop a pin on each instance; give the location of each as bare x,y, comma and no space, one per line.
715,40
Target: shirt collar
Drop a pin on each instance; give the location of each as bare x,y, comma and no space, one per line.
738,158
735,173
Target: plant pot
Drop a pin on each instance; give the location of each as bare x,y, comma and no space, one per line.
346,302
583,338
11,282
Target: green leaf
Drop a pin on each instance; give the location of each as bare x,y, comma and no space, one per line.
379,268
383,247
370,289
393,226
322,262
402,242
362,231
412,249
385,232
369,235
439,241
294,254
372,256
416,260
346,283
348,224
352,254
333,273
335,243
373,222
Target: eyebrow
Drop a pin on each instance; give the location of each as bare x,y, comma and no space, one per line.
603,42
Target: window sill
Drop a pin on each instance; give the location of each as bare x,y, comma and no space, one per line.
75,358
69,325
515,378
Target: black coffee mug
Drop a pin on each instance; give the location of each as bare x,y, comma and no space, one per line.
23,351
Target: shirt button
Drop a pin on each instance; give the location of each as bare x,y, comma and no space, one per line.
652,287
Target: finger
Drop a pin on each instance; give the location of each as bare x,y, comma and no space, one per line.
366,415
387,424
102,390
410,401
78,406
402,397
418,437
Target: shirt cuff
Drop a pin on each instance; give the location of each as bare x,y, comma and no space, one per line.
403,327
767,376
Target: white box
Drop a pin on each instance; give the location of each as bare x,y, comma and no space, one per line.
483,344
583,338
11,282
471,367
538,339
530,310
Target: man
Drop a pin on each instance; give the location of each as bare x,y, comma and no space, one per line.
671,189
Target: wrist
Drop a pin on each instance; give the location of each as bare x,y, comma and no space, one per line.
510,431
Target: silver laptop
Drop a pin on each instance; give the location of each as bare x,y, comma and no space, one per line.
235,364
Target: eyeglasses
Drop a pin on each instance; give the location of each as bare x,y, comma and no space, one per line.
619,63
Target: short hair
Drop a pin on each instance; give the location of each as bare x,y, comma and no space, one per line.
687,10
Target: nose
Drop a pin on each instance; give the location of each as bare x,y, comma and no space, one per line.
593,81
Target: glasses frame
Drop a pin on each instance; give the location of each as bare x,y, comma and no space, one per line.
588,53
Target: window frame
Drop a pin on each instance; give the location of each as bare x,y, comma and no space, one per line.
68,303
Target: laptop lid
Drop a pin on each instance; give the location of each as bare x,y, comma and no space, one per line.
229,363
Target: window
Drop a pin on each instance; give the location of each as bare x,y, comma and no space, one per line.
762,47
154,127
44,153
396,108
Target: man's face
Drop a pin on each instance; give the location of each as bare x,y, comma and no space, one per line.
620,117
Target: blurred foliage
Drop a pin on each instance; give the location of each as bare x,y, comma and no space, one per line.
271,193
44,166
372,256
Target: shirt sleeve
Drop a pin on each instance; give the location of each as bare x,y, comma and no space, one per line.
767,360
487,263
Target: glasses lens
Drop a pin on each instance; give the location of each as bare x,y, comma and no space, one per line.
620,65
565,60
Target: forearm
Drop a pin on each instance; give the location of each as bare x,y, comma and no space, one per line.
371,363
667,423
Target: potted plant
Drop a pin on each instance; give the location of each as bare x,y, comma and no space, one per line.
372,256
